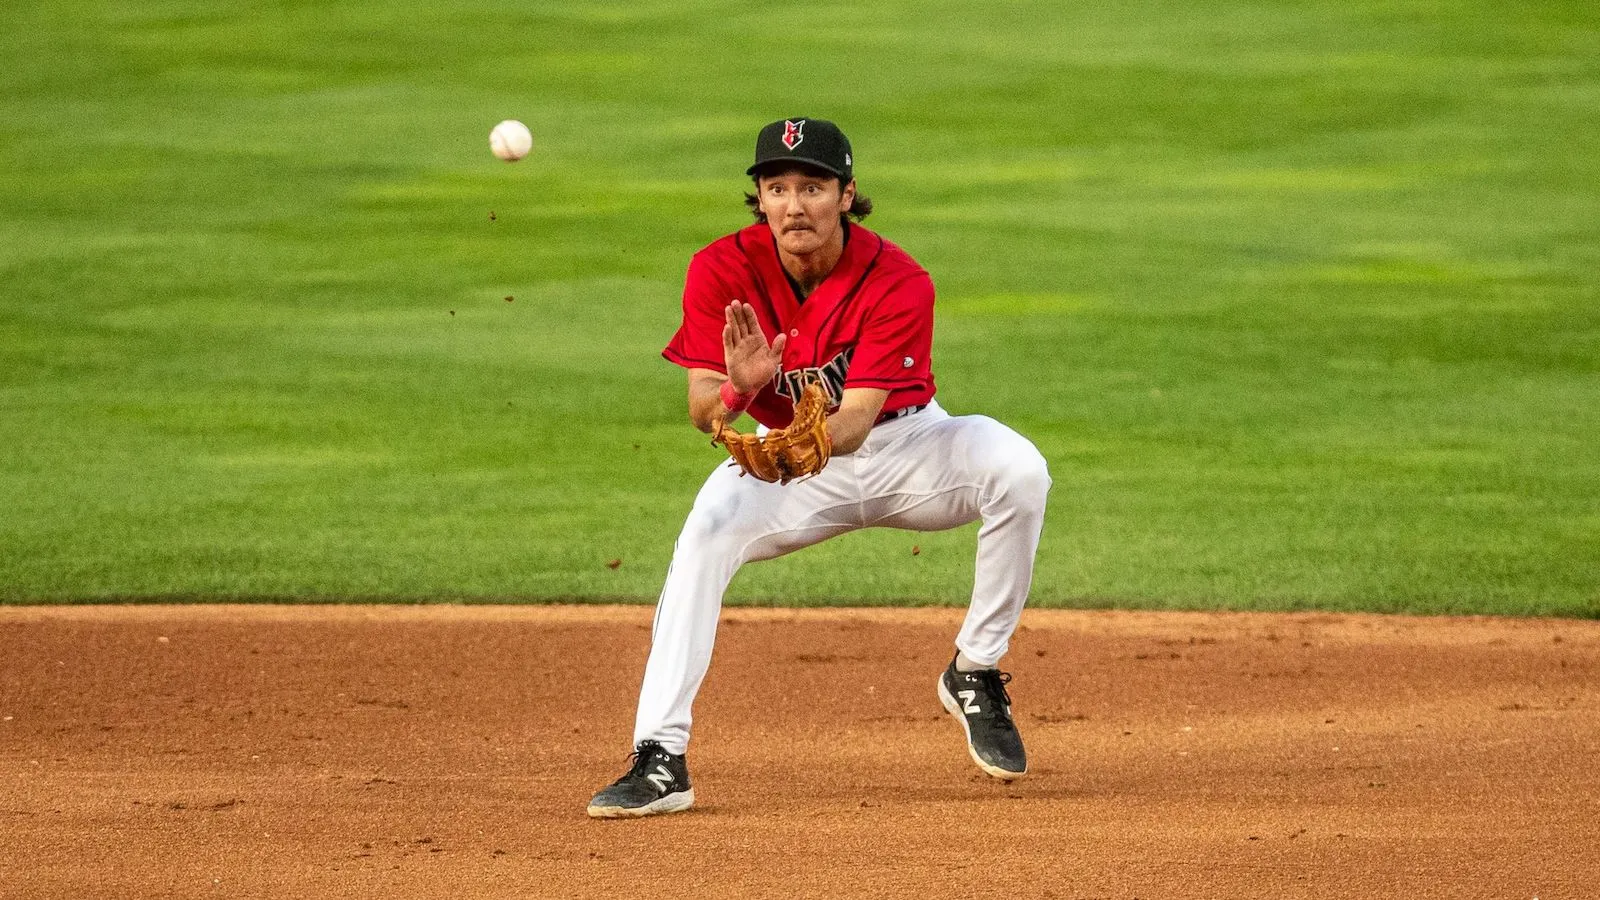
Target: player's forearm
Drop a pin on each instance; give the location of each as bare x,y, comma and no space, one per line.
850,426
706,403
849,430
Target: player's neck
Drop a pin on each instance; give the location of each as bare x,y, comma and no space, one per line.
809,270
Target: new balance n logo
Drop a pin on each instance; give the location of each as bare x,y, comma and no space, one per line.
967,704
661,778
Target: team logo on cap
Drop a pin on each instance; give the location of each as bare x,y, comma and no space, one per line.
791,133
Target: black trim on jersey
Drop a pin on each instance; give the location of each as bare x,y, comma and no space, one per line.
680,359
884,384
761,285
799,295
844,301
794,286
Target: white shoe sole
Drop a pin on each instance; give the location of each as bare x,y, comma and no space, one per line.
671,803
954,709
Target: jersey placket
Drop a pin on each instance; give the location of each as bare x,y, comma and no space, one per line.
810,316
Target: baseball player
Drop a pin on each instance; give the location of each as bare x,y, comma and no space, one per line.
805,299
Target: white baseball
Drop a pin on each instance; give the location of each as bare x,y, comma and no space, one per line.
511,140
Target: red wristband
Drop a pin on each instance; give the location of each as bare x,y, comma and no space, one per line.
733,400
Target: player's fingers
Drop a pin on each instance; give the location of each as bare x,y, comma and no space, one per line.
743,317
750,324
735,321
777,346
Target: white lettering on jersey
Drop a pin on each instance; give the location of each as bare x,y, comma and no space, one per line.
792,382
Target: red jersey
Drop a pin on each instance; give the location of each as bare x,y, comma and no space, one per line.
868,324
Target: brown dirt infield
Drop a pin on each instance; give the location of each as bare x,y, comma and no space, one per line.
447,751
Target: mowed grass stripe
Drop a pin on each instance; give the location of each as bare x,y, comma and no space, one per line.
1298,299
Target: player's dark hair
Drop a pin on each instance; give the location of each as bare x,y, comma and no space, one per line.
859,209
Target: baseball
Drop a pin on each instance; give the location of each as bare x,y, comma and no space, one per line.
511,140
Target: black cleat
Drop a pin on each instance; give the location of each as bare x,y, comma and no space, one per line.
979,701
657,783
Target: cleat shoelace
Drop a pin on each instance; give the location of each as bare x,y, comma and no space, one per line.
994,688
641,760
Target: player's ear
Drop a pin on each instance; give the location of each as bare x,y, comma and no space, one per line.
848,196
761,196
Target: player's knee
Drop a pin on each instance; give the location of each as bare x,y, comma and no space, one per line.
1021,475
1028,476
708,531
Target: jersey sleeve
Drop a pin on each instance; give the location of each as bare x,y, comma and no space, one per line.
896,339
698,343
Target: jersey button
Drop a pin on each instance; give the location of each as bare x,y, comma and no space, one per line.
794,332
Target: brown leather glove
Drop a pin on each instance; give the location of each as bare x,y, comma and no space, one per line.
784,454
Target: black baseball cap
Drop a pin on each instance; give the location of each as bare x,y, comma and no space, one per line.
814,142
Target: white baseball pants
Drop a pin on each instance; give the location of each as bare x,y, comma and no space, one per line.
928,471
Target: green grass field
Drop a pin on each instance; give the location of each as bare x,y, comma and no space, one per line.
1301,300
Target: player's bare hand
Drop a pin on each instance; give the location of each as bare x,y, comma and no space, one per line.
750,359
